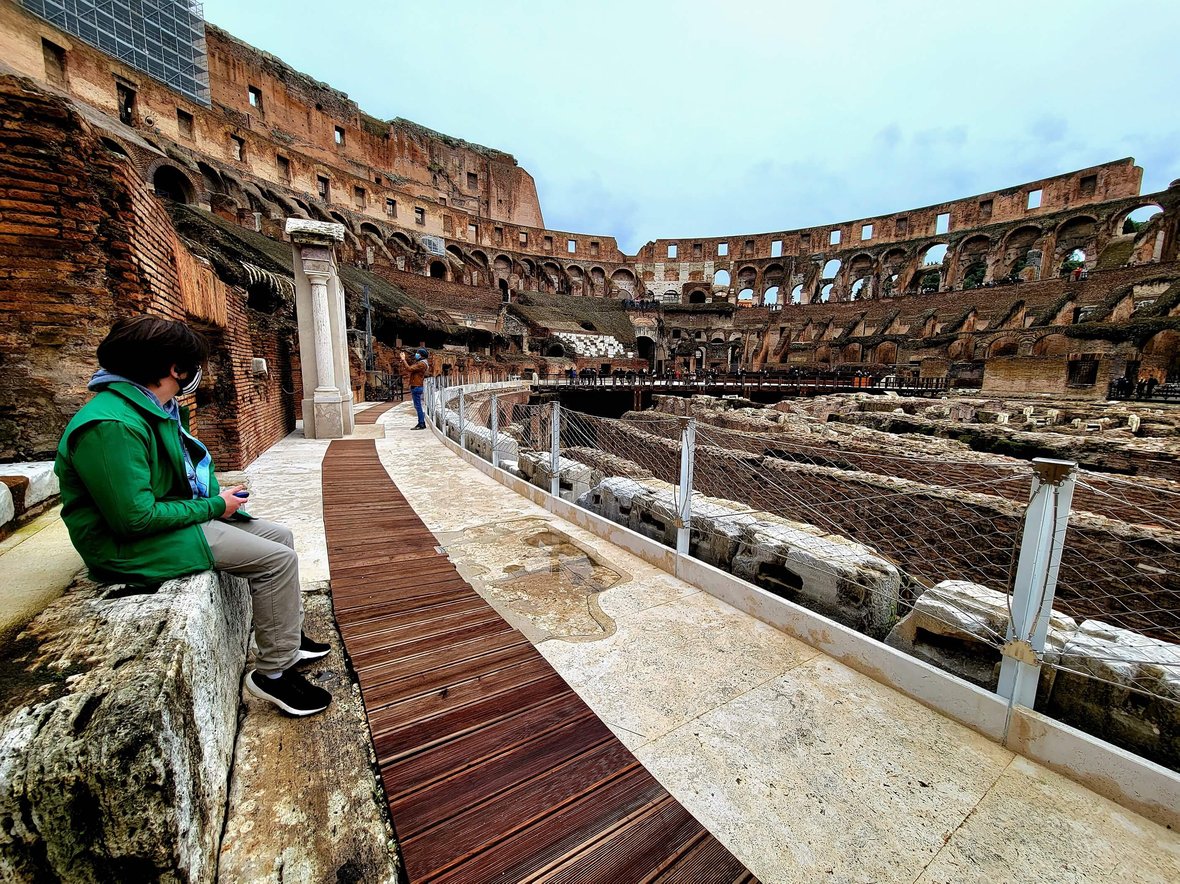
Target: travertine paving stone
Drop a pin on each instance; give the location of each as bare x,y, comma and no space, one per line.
806,770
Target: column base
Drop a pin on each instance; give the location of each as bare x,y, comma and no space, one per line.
327,419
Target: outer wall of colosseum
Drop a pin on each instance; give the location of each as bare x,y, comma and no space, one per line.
1040,288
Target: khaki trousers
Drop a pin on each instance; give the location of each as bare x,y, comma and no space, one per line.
264,553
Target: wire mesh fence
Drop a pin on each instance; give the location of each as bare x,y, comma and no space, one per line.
905,547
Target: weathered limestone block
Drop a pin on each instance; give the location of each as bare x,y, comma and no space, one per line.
829,574
959,626
7,508
574,477
606,464
1105,670
42,481
117,728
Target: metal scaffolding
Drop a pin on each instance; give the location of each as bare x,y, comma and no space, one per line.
163,38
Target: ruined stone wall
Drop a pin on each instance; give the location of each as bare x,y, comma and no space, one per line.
82,242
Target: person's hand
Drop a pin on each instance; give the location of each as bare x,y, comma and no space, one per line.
232,504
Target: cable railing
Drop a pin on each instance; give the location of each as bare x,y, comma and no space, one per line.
981,565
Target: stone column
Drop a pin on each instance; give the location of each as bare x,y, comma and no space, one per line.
323,342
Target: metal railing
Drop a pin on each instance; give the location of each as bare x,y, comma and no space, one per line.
1053,584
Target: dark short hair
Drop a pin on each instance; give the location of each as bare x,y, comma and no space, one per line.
144,349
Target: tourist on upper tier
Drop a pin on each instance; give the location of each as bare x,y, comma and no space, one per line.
142,504
418,371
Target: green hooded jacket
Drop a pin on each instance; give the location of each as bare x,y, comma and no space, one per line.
125,495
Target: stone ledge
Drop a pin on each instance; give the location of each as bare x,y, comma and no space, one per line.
118,713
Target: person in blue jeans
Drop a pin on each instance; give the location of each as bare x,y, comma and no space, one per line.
417,372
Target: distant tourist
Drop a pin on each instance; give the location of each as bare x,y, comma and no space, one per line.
142,504
417,371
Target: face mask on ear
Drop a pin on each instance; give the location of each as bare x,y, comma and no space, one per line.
192,383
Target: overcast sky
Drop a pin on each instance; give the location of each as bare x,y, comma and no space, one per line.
654,118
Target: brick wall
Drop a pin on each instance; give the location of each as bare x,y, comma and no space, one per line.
82,242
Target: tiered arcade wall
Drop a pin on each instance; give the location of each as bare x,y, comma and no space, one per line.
420,205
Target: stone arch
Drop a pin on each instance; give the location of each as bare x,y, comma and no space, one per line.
577,279
721,279
437,270
115,147
797,294
555,349
1020,251
1077,233
933,254
745,297
858,290
746,278
597,280
885,353
831,268
697,297
624,280
1118,222
1052,345
1003,346
961,350
825,294
171,183
368,228
771,295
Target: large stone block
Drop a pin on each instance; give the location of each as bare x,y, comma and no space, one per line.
959,626
118,714
574,477
42,481
829,574
7,508
1123,686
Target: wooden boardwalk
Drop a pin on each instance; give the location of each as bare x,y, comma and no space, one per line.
493,767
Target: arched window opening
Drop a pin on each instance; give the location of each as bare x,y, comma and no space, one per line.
745,298
721,278
170,183
770,296
556,350
797,294
832,268
825,293
697,298
935,255
858,289
438,270
1139,218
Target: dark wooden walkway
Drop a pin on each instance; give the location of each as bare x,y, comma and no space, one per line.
493,767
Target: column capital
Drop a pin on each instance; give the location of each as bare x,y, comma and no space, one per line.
319,233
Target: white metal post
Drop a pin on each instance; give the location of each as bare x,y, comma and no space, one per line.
688,444
462,424
555,450
1041,543
495,427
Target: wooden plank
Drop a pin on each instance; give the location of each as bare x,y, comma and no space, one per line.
493,767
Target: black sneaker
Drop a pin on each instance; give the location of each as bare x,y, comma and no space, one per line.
419,427
309,649
291,692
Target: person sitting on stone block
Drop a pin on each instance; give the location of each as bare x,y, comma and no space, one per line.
142,504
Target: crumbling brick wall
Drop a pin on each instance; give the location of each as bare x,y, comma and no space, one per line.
84,241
